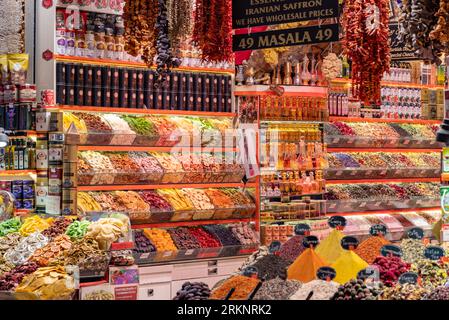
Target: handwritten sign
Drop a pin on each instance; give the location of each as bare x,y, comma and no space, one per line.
434,252
337,222
302,229
416,233
349,243
391,250
408,277
310,242
378,230
326,273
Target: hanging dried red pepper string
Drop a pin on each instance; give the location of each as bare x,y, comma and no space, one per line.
212,31
366,43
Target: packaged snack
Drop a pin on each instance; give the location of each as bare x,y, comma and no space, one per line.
18,67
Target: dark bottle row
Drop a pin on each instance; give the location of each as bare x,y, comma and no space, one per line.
102,86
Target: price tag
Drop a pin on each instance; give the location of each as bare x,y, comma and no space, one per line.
391,250
369,273
250,271
332,206
349,243
274,247
310,242
302,229
434,253
368,173
337,222
353,172
363,204
326,273
351,141
339,173
406,141
144,256
378,230
377,204
383,172
167,254
189,252
408,277
336,140
415,233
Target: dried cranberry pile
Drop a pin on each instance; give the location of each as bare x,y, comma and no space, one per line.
205,239
10,280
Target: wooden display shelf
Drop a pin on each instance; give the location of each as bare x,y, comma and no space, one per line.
405,150
155,149
264,90
143,111
190,223
130,64
395,84
393,180
377,120
163,186
382,212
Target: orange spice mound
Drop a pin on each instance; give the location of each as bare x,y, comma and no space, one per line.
243,287
369,249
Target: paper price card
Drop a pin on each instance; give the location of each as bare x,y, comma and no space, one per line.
349,243
391,250
408,277
326,273
378,230
416,233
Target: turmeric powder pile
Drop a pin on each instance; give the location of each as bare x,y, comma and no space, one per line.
305,266
348,266
330,249
243,286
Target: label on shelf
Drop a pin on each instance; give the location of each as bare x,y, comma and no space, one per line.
371,273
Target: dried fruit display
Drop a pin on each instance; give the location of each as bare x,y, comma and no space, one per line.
366,43
416,21
140,33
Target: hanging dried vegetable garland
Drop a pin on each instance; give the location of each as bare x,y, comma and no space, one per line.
140,34
366,43
441,30
416,21
180,14
213,29
165,60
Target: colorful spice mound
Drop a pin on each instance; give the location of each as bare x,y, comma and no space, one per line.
440,293
369,249
322,290
271,267
347,266
243,286
305,266
330,249
277,289
390,268
433,273
412,250
358,290
193,291
291,249
404,292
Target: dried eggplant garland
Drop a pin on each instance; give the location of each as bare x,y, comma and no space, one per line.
366,43
212,31
416,21
140,35
165,60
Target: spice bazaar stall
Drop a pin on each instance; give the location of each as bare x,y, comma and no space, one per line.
224,150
